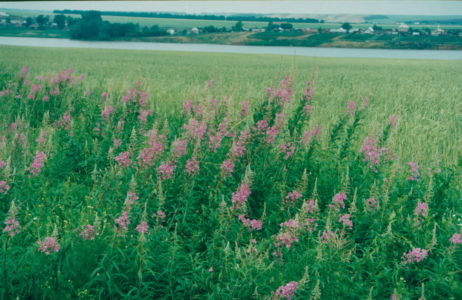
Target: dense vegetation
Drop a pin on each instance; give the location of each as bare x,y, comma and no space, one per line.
234,17
168,175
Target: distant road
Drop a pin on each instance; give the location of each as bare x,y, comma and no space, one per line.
302,51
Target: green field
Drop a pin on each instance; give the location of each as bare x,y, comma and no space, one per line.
145,175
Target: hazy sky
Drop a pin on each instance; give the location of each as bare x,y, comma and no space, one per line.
308,7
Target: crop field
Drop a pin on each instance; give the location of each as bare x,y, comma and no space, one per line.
173,175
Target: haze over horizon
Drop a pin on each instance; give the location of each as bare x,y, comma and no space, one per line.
269,7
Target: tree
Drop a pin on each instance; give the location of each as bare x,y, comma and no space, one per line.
377,28
42,21
60,20
271,27
29,21
238,27
287,26
89,27
347,26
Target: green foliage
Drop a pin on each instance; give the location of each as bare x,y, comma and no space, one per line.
201,249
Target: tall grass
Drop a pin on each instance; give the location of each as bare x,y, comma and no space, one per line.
160,175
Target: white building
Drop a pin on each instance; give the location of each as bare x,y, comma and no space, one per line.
171,31
403,28
338,30
195,30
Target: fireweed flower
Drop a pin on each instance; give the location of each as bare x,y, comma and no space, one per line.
345,219
37,165
415,255
180,147
160,216
130,200
290,224
288,150
240,196
107,111
456,239
371,153
292,197
88,232
338,201
143,227
286,291
238,148
309,135
421,209
351,107
251,224
308,93
415,172
4,187
123,159
48,245
143,116
165,170
192,166
122,222
104,95
371,204
12,227
195,129
215,141
327,236
227,166
271,134
2,164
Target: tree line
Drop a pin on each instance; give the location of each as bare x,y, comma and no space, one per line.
246,17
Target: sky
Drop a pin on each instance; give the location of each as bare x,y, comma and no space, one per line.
395,7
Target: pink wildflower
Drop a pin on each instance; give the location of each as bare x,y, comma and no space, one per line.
4,187
290,224
351,107
195,129
215,141
456,239
160,216
327,236
338,200
287,238
227,166
12,226
287,291
308,93
271,134
2,164
240,196
123,221
345,219
104,95
187,105
292,197
415,172
180,147
143,227
415,255
238,149
288,150
107,111
262,126
37,165
124,159
372,204
48,245
88,232
192,166
165,170
143,116
46,98
421,209
372,154
251,224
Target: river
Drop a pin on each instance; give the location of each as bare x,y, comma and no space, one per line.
302,51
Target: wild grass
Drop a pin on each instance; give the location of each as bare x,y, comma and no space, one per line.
142,174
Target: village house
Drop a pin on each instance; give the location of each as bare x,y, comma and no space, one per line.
194,30
171,31
403,27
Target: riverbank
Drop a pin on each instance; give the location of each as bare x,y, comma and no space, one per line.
292,39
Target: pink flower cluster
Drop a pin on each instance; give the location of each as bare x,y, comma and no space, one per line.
124,159
240,196
88,232
192,166
309,135
284,93
393,120
165,170
238,149
456,239
421,209
180,147
123,221
371,153
288,149
415,255
227,166
371,204
143,227
144,114
286,291
338,201
415,172
251,224
150,154
107,111
135,96
351,107
37,165
327,236
195,129
12,227
345,219
4,187
48,245
289,233
292,197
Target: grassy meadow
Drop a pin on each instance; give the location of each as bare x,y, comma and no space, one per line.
174,175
